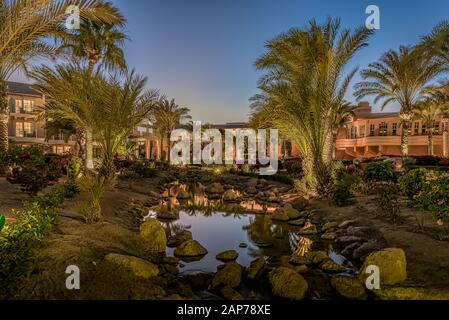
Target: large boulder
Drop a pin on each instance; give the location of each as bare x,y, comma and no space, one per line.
229,255
392,266
349,288
308,229
190,248
230,275
300,203
288,284
280,216
412,293
330,265
139,267
215,188
153,235
230,294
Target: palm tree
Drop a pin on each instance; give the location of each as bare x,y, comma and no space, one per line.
303,90
402,77
428,112
111,106
165,117
24,25
95,43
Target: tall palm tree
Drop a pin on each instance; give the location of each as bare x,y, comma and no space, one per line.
96,43
402,77
303,90
428,112
25,24
165,117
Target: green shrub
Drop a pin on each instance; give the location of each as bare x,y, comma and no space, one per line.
342,189
95,186
2,222
380,172
412,182
145,169
435,197
388,201
19,238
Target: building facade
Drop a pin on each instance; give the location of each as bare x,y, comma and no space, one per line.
24,127
371,134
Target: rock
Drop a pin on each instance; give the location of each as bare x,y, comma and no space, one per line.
153,235
190,248
316,257
409,293
243,245
364,232
299,222
215,188
329,236
367,248
349,288
255,267
164,213
139,267
183,195
279,216
253,182
230,294
230,275
171,260
308,229
285,262
291,212
179,238
329,226
260,196
251,190
301,260
300,203
230,255
331,266
288,284
348,250
392,266
230,195
346,240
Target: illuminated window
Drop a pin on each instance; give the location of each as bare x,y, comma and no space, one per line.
371,130
28,106
436,128
19,130
362,131
423,129
18,105
416,128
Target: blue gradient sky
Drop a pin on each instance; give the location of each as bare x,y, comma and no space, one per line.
201,52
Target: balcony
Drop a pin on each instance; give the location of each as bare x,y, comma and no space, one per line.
389,140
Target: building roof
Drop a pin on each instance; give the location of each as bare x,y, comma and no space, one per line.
231,125
21,89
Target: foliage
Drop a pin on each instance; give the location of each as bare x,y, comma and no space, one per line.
342,189
388,201
19,238
408,161
303,91
2,222
412,182
34,168
143,168
95,186
293,167
435,196
379,172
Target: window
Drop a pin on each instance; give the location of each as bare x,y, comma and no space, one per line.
383,129
19,130
18,106
28,106
371,130
352,132
395,129
436,128
416,128
362,131
423,129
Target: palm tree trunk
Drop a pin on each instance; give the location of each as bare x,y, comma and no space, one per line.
404,138
89,150
430,137
3,116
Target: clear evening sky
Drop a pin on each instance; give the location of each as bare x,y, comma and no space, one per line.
201,52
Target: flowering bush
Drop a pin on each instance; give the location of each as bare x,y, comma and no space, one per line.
435,196
412,183
380,172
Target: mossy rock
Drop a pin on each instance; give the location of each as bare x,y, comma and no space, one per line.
411,293
349,288
392,266
190,248
229,255
300,203
153,234
288,284
230,275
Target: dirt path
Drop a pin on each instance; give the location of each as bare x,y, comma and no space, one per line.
10,198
